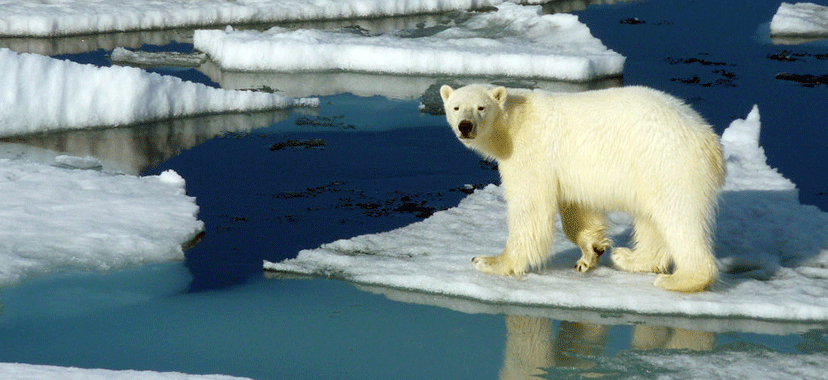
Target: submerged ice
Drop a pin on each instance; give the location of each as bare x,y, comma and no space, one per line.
514,41
773,252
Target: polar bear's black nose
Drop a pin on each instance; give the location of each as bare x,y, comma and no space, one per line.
465,127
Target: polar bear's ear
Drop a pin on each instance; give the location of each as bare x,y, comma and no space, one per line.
499,95
445,92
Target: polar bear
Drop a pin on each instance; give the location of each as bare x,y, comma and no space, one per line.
631,149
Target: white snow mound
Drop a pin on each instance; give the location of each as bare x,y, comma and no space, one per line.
514,41
773,253
801,19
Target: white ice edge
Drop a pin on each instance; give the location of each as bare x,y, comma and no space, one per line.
800,19
69,215
773,252
513,41
46,18
39,93
47,372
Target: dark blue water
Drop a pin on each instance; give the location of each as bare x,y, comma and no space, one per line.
365,165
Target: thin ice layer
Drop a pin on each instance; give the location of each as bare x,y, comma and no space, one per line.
39,93
514,41
773,252
802,19
56,217
46,372
55,18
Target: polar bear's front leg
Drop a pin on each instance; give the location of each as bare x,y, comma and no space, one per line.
531,215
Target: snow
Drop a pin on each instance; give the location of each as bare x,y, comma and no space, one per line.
773,253
45,372
802,19
39,93
72,214
64,17
514,41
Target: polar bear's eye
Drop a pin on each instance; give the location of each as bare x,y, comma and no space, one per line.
457,108
481,108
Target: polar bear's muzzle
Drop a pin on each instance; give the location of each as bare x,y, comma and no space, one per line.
466,129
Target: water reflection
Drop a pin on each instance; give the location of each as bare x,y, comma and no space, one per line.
404,87
134,149
533,347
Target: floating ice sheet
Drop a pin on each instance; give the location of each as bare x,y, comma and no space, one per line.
45,372
69,215
514,41
773,252
800,19
39,93
54,18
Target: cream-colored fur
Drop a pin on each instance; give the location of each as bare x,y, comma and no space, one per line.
630,149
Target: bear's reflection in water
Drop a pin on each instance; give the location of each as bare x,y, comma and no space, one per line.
532,345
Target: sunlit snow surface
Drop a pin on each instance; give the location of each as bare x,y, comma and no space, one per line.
62,17
514,41
803,19
71,214
39,93
773,252
44,372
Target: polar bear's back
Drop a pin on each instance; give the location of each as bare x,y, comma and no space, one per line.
625,137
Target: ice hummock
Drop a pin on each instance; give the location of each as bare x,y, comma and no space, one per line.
800,19
39,93
513,41
72,214
773,252
66,17
47,372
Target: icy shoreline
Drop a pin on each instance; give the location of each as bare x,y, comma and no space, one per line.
45,19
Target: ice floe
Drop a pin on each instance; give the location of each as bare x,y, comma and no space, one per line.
70,214
39,93
800,19
65,17
515,41
773,252
46,372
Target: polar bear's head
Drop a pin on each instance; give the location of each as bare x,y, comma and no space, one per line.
473,110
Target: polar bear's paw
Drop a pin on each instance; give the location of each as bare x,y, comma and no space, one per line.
497,265
589,259
684,283
622,258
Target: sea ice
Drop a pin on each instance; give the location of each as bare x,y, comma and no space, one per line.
800,19
66,17
45,372
773,253
39,93
514,41
68,214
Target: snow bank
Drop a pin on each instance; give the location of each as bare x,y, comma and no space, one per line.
39,93
514,41
68,215
773,252
802,19
54,18
45,372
